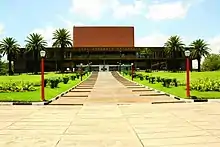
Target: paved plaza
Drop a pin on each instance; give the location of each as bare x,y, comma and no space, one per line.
108,123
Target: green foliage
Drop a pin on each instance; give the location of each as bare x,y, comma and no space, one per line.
173,45
45,82
199,49
72,77
54,81
65,79
166,82
211,63
152,80
206,84
17,87
10,47
3,68
148,71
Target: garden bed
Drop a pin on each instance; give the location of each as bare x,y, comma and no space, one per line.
204,85
27,88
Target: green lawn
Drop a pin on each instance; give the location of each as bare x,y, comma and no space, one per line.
180,90
35,96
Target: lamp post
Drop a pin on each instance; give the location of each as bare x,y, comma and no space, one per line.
187,54
81,70
122,68
132,71
42,55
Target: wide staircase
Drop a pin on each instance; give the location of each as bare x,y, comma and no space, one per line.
78,94
111,88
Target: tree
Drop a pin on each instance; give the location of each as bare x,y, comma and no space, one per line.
211,62
10,47
62,39
173,46
199,49
35,42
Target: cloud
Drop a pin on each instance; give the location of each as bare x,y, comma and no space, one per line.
168,10
121,10
47,32
214,44
152,40
96,9
1,28
93,9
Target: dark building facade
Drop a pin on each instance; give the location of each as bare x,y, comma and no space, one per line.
102,47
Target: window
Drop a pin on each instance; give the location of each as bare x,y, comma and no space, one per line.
67,55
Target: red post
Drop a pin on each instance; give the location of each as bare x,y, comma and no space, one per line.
132,72
187,78
42,80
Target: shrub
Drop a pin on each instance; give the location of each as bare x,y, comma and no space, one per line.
146,77
17,87
65,79
73,77
77,76
54,81
148,70
166,82
175,82
158,79
152,80
45,82
206,84
141,78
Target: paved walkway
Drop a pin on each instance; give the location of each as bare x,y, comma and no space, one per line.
107,89
136,125
105,124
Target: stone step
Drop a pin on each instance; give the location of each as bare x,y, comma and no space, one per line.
141,90
135,86
80,90
152,94
83,88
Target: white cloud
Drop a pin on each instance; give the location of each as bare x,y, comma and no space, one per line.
96,9
93,9
169,10
214,44
69,24
1,28
121,11
47,32
153,40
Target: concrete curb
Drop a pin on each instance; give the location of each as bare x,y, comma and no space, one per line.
173,96
45,102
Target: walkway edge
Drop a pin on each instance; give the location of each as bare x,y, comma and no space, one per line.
45,102
170,95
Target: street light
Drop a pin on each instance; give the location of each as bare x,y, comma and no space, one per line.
187,54
123,69
132,71
42,55
81,70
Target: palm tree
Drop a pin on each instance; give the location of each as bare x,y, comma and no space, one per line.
62,39
35,42
199,49
10,47
173,46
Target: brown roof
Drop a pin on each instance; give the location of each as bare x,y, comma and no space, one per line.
103,36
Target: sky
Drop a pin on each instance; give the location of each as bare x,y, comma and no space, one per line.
154,20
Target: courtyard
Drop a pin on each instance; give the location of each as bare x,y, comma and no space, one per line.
110,116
